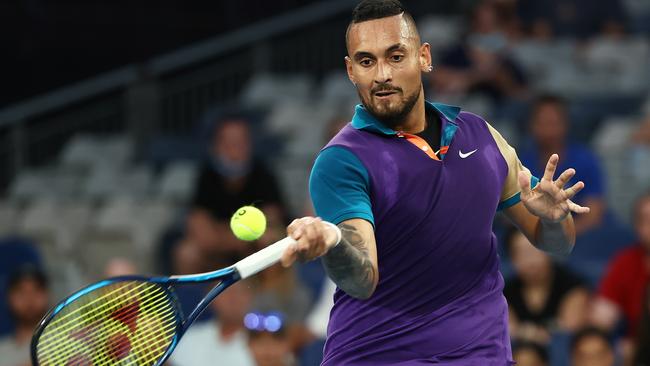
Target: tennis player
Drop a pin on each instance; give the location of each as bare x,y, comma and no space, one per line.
414,187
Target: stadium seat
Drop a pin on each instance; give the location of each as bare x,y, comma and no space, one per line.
30,184
9,217
82,151
440,32
265,90
177,181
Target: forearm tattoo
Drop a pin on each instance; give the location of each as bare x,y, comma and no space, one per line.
349,265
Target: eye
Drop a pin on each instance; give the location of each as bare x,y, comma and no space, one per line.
396,58
366,62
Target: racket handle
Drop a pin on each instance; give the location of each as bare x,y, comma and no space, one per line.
270,255
263,259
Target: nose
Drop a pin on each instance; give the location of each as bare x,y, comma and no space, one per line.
384,73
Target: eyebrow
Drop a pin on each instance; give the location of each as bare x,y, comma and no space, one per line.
362,54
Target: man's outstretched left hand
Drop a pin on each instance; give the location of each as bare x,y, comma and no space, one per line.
549,200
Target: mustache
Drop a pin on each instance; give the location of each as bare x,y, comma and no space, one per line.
385,87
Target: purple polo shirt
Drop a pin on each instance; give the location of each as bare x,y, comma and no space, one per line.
439,298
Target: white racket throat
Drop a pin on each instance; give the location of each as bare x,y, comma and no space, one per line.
272,254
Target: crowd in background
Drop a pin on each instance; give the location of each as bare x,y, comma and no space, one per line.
584,311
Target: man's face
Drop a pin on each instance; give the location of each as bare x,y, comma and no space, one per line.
232,141
549,125
593,351
385,61
642,222
28,301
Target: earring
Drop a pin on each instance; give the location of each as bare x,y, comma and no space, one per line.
430,68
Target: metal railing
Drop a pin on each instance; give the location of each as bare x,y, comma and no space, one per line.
168,94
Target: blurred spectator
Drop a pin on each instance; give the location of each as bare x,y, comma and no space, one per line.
591,347
278,289
268,340
222,340
16,252
640,153
622,289
546,19
481,65
530,354
231,178
542,296
28,300
319,315
119,267
642,353
641,135
549,128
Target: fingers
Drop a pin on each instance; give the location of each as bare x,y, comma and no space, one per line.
565,177
577,208
289,256
310,234
551,165
524,183
574,189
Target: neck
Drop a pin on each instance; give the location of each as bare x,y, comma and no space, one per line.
415,121
548,150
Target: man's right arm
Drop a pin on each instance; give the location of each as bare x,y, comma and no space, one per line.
340,191
352,264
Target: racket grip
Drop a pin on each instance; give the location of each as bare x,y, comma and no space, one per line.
263,259
270,255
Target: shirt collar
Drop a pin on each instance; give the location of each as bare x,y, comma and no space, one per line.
363,120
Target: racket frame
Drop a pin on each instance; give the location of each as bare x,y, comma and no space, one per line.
226,276
245,268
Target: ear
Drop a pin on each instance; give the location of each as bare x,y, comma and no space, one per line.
348,68
425,57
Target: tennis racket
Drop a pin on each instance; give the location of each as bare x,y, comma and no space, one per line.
133,320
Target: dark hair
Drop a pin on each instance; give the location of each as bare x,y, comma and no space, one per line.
536,348
378,9
589,332
26,272
545,99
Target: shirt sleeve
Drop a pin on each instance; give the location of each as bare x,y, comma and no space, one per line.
510,194
339,186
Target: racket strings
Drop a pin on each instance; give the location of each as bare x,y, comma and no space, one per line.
87,335
72,313
57,325
111,346
126,323
55,328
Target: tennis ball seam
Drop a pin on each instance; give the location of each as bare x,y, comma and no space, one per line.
247,228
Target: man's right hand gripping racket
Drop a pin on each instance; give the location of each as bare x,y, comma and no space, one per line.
133,320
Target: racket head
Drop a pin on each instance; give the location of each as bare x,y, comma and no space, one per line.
128,320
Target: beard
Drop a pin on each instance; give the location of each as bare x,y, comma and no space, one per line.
390,115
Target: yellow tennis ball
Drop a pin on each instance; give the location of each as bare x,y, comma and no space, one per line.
248,223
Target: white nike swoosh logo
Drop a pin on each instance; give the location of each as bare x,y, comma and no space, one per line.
465,155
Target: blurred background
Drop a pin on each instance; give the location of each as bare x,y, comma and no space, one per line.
130,131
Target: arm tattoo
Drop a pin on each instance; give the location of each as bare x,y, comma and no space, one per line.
349,265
